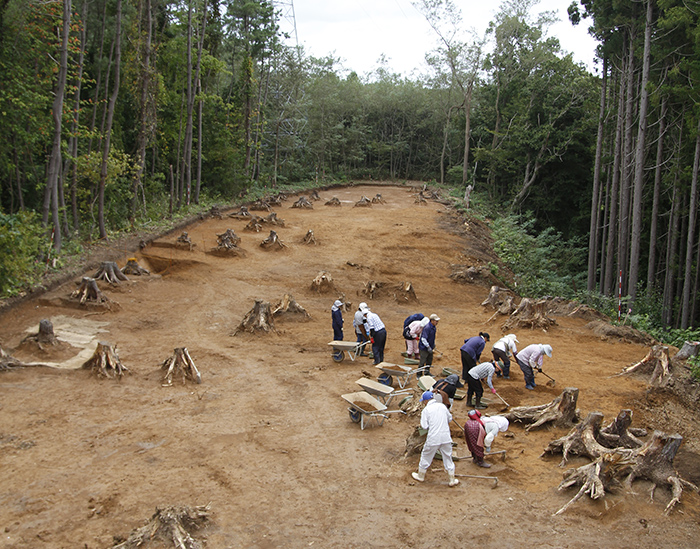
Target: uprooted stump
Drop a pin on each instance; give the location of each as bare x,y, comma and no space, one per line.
88,291
529,314
653,461
309,238
333,202
181,365
364,202
656,362
377,199
109,272
497,297
619,432
258,319
561,412
255,224
404,292
184,241
323,283
287,306
105,362
272,242
303,203
175,525
132,267
415,441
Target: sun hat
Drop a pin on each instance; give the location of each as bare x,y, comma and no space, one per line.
426,396
453,379
547,350
338,303
434,317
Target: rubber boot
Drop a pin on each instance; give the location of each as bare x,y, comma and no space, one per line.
420,475
482,463
453,481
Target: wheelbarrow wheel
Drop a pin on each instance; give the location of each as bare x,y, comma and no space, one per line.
338,356
385,379
355,416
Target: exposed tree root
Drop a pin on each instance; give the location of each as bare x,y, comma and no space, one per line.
404,292
303,203
255,224
132,267
215,212
309,238
272,242
109,272
364,202
243,213
529,314
561,412
619,432
420,199
260,206
105,362
656,362
373,289
181,365
314,195
272,219
227,244
174,525
88,291
323,283
334,202
45,335
184,241
7,362
287,306
258,319
377,199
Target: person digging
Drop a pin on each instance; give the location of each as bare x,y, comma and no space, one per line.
475,434
436,418
485,370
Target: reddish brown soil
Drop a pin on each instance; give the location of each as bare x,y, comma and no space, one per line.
267,439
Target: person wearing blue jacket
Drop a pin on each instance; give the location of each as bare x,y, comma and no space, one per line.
426,345
471,352
337,320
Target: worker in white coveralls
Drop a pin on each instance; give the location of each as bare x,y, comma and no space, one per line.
493,425
436,418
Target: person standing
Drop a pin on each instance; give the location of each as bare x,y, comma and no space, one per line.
471,352
485,370
475,434
531,358
436,418
407,332
415,329
501,351
337,320
377,334
359,322
426,345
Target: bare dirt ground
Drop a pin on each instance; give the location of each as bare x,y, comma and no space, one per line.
266,438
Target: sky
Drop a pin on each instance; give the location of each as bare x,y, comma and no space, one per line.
360,31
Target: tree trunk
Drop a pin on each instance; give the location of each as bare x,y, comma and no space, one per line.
467,131
73,146
639,160
653,229
110,119
692,217
57,114
595,204
96,101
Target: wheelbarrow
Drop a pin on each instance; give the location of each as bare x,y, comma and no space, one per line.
351,348
364,408
402,373
379,390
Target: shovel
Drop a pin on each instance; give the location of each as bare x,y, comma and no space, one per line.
552,382
504,400
495,479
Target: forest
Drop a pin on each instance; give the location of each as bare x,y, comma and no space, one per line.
118,114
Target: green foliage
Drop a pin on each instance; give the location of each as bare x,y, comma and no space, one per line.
694,363
543,263
20,241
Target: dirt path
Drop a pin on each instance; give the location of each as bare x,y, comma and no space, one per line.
266,438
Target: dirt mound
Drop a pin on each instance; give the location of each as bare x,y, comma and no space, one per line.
624,333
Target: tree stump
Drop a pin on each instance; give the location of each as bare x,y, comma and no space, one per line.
184,241
314,195
105,362
690,348
109,272
373,289
415,441
303,203
255,224
272,219
258,319
334,202
88,291
272,242
7,362
274,200
404,292
529,314
309,238
377,199
132,267
243,213
364,202
260,206
45,335
561,412
420,199
170,525
288,306
215,212
347,305
656,362
227,244
323,283
620,434
181,365
496,298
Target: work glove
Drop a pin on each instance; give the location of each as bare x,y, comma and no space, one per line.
493,391
371,339
539,370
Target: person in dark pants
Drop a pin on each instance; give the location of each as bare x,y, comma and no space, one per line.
501,351
426,345
485,370
471,352
377,332
530,359
359,322
449,386
337,320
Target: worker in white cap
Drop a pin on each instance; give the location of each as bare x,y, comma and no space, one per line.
359,322
337,320
436,418
529,359
501,352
